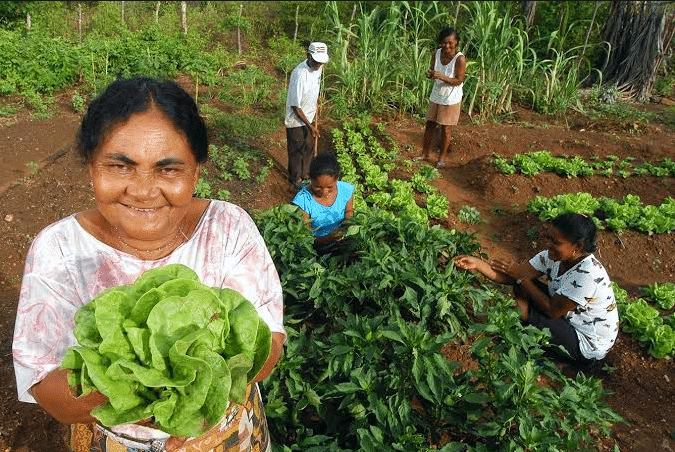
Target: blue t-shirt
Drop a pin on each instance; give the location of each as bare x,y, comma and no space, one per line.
325,219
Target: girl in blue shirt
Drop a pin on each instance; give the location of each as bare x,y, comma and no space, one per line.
327,201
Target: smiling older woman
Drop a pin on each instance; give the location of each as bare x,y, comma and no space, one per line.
143,142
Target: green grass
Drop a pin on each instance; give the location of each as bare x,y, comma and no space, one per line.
622,112
7,111
243,126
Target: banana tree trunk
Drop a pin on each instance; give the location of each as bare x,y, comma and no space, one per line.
639,34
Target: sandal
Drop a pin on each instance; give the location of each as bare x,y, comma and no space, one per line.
441,164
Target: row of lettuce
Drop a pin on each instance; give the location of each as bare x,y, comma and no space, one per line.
384,350
642,320
533,163
608,213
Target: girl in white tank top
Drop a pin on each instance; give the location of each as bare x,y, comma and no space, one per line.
444,93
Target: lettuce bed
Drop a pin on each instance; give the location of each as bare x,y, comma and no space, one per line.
167,347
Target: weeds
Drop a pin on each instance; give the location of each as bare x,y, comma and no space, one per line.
249,87
33,167
242,126
223,194
621,111
7,111
78,102
203,188
469,215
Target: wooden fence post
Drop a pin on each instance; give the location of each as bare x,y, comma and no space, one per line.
183,16
241,6
295,35
79,22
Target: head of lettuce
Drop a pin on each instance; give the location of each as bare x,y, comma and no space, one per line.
168,348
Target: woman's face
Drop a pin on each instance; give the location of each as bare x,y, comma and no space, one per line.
324,186
448,44
560,248
144,175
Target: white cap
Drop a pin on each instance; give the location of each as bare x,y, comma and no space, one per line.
319,52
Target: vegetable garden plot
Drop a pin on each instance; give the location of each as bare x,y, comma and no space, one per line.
363,367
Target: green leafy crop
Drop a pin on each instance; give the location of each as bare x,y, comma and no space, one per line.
645,323
167,347
618,216
468,214
662,294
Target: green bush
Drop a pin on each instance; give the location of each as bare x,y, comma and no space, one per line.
665,86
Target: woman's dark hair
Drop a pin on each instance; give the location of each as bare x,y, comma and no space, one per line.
577,228
445,32
324,164
123,98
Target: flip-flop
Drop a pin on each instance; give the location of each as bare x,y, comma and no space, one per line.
441,164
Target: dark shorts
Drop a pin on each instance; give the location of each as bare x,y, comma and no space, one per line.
562,331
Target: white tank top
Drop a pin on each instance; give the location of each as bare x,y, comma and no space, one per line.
444,93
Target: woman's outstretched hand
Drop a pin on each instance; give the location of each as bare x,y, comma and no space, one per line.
507,268
469,263
499,271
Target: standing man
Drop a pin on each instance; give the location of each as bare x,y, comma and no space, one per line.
301,105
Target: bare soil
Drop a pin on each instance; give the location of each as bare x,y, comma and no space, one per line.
33,195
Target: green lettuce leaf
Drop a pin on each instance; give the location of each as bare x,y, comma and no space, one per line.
168,348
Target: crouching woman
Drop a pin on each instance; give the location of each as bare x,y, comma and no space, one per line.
563,288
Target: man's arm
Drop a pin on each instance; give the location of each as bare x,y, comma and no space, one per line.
301,114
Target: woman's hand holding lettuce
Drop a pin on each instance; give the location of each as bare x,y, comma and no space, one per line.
167,347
